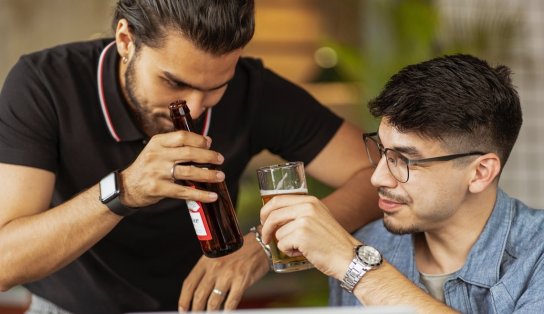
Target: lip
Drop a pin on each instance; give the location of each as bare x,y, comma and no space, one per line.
388,206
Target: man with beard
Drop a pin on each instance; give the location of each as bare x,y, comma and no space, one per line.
450,239
82,113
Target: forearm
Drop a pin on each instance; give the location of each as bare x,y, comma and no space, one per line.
355,203
387,286
34,246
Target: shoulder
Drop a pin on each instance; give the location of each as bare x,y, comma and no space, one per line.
48,74
273,85
524,246
522,264
76,57
526,236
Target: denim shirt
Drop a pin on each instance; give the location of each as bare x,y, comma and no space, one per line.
503,272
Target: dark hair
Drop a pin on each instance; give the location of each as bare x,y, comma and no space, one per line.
215,26
459,100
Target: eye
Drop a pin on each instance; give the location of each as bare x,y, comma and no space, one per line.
172,83
392,160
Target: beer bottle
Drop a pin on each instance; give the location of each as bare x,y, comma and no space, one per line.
215,223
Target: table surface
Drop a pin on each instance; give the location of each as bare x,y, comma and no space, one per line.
314,310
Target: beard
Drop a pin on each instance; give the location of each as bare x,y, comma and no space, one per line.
148,121
387,220
400,230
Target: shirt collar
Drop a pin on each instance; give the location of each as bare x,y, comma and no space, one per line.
484,259
114,107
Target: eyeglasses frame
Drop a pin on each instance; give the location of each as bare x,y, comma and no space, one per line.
373,136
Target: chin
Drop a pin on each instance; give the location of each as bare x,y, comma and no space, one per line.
400,229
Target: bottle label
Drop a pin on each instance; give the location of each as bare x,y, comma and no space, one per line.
199,220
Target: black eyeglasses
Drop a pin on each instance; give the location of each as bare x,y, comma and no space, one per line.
397,163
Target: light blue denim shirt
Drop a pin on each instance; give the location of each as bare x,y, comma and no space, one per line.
504,270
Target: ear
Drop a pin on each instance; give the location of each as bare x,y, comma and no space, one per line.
124,39
486,170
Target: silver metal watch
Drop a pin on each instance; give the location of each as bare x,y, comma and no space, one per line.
366,258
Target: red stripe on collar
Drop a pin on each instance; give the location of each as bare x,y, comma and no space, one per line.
103,105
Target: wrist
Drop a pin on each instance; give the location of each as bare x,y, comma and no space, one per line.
124,195
264,248
366,258
111,189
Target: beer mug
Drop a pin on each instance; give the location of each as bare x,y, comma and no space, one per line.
282,179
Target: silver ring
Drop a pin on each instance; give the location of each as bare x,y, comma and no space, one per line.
172,172
218,292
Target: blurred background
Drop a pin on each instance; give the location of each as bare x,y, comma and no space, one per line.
342,52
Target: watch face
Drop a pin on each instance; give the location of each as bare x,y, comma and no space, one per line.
108,188
369,255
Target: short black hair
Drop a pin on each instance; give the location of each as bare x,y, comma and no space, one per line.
459,100
215,26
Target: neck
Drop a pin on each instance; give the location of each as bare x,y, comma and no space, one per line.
445,249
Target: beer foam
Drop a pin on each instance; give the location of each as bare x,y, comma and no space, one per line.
283,192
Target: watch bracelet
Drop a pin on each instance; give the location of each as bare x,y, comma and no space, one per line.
265,247
355,272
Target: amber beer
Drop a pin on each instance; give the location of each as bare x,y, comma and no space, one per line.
215,223
268,195
278,257
283,179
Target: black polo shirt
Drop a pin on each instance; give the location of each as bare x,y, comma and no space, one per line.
62,110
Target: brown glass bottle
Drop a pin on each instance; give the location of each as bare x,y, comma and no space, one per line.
215,223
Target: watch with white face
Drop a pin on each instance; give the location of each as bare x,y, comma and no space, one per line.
366,258
109,195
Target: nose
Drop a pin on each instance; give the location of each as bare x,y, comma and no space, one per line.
195,102
382,176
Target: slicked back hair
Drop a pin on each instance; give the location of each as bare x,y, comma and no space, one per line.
459,100
215,26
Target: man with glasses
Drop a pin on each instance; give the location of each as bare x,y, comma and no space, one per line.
450,239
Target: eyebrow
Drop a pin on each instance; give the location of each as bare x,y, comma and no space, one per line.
405,150
408,150
181,82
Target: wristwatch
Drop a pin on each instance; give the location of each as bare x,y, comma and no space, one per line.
366,258
265,247
109,195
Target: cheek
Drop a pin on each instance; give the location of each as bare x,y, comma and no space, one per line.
211,99
144,86
436,193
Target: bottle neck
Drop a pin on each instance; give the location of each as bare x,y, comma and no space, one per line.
181,116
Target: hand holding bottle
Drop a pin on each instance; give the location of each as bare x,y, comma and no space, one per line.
149,178
215,223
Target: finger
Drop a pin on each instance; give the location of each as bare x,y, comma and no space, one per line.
285,208
289,244
235,295
218,295
193,173
201,295
290,237
278,218
182,138
192,154
169,189
188,288
281,201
